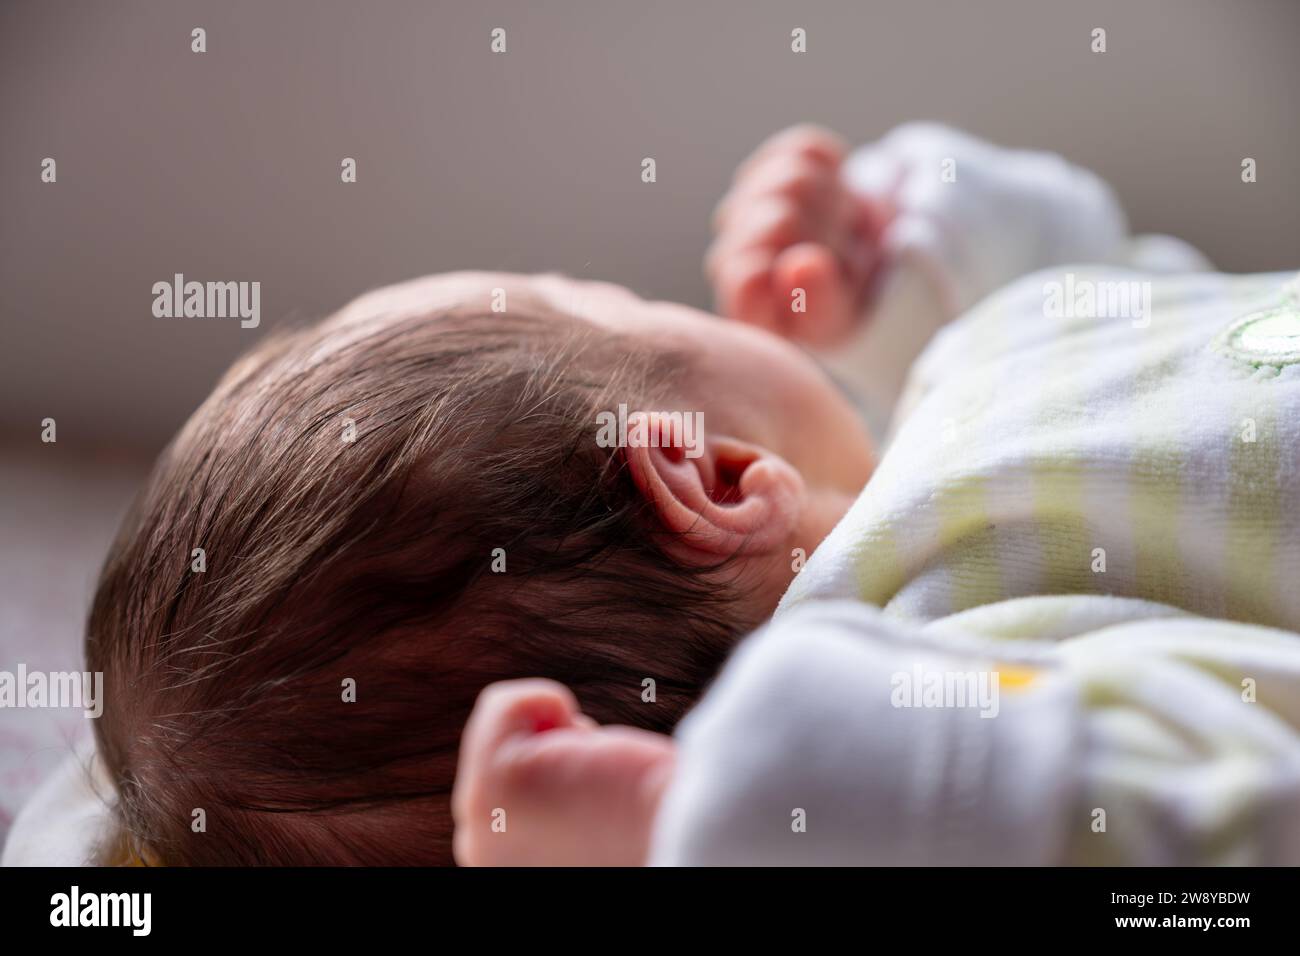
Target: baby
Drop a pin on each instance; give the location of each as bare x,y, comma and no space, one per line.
1058,625
372,519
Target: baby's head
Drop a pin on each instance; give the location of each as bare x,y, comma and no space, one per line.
417,498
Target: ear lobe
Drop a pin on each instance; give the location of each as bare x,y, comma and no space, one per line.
733,499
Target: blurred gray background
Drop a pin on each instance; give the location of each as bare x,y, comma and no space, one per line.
225,166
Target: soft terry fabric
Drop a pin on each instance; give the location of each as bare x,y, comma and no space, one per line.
1151,454
971,217
1131,741
66,818
980,215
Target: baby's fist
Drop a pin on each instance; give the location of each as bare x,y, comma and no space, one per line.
796,252
541,784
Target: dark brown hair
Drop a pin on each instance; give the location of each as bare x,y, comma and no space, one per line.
371,559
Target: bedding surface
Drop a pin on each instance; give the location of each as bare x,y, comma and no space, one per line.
59,508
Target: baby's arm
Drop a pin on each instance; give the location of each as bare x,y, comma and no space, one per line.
838,736
804,214
823,743
811,750
796,756
864,256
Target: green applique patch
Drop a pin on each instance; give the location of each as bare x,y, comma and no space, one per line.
1268,337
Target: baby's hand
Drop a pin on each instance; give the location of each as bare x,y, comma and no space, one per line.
541,784
789,223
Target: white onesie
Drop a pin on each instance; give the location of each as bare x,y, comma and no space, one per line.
1058,626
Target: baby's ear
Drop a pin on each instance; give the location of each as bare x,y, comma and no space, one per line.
720,496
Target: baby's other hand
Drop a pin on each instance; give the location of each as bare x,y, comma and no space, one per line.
541,784
789,223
